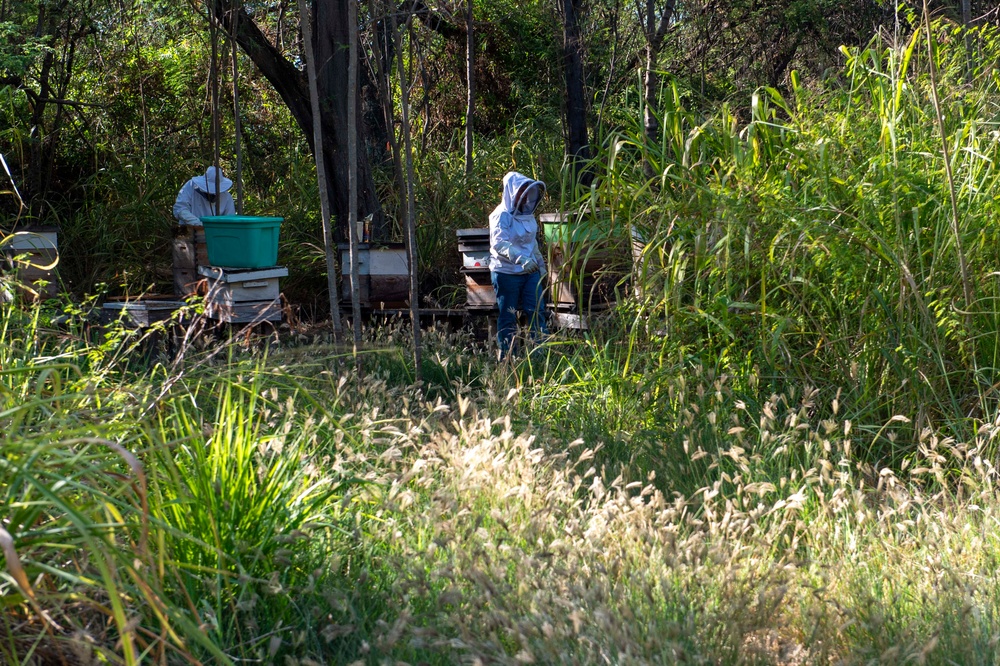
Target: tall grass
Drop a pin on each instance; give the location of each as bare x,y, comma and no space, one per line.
808,240
270,508
780,451
133,538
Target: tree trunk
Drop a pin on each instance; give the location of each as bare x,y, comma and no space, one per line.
411,218
967,29
330,19
384,53
237,115
576,103
329,245
654,29
352,174
213,76
650,90
470,75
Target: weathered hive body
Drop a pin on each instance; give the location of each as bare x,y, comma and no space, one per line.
32,254
243,295
474,244
383,273
585,266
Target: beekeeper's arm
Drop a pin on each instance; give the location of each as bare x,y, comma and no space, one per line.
539,260
506,249
183,206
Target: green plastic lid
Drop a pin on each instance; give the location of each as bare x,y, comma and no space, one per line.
241,218
575,233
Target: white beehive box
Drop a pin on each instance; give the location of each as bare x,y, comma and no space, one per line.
383,272
33,254
242,296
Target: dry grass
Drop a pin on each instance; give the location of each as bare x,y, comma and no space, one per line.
460,537
506,547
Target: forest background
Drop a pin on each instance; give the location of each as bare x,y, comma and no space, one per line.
778,448
108,108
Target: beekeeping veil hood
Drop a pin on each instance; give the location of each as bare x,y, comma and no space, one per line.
521,194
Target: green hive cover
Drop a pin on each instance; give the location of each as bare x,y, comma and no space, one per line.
242,219
559,232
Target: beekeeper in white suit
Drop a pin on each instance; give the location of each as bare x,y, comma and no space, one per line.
202,196
517,268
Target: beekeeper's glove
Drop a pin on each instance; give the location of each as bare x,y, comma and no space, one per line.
529,263
506,250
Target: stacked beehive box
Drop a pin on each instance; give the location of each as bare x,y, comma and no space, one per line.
383,274
585,268
190,252
231,262
243,295
474,244
140,312
32,255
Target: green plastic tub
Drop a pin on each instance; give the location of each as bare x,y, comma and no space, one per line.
242,241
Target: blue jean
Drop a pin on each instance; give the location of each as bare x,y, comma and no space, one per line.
518,292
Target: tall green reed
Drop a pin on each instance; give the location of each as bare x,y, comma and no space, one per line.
807,238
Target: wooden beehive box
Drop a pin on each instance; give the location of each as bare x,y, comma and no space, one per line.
585,266
32,254
189,252
242,296
474,245
140,312
383,273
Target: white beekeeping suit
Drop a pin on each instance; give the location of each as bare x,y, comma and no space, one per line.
513,228
198,198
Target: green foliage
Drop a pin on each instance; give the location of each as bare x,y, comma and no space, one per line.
813,244
777,448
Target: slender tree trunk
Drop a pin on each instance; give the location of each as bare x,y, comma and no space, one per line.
213,26
37,189
335,85
650,88
611,68
470,75
967,29
329,245
237,112
386,46
410,220
576,103
352,172
655,30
